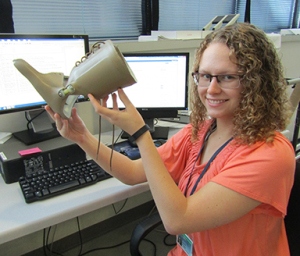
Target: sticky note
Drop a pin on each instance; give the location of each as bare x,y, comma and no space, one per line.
30,151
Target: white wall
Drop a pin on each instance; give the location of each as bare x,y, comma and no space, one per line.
290,56
290,53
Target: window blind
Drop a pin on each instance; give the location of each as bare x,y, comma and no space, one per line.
269,15
99,19
191,14
122,19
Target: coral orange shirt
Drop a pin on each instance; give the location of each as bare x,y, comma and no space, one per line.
264,172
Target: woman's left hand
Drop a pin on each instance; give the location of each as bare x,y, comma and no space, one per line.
128,119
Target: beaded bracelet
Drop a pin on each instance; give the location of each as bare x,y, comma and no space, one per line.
140,132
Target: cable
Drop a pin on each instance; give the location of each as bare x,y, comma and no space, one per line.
99,137
119,136
113,142
46,247
45,243
104,248
112,148
29,121
80,236
122,207
152,210
166,242
152,243
52,239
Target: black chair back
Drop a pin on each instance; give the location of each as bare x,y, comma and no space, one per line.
292,219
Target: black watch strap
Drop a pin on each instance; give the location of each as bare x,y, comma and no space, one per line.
139,132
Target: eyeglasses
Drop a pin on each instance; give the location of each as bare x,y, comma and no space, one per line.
227,81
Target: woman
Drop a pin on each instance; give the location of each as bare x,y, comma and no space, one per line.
233,204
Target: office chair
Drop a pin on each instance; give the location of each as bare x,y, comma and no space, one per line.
292,221
141,231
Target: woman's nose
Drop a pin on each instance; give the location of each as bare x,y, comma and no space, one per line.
214,86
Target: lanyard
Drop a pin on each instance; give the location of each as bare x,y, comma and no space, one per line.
207,165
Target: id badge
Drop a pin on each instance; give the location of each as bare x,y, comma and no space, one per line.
185,243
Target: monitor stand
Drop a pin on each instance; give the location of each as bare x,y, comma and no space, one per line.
157,132
41,128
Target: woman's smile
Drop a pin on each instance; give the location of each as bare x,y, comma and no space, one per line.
215,101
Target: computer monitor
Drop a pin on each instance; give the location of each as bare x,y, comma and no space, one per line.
162,86
46,53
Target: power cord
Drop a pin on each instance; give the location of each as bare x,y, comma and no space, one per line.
99,136
169,243
48,246
112,143
52,238
105,248
122,207
30,120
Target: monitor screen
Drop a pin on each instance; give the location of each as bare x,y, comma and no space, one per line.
161,88
46,53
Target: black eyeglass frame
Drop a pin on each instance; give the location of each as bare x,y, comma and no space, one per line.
196,74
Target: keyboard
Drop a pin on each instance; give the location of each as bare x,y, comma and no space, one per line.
53,173
45,184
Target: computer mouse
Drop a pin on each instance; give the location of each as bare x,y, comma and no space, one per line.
132,142
159,142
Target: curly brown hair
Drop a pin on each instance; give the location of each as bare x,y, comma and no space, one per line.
264,106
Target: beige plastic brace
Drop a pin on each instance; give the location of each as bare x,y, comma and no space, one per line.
100,72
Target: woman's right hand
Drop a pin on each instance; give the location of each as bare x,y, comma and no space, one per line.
72,128
128,119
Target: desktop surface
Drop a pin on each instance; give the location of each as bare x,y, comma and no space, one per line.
17,218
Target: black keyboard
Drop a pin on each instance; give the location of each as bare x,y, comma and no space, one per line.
54,173
45,184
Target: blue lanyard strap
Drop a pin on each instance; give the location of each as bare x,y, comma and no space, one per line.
206,166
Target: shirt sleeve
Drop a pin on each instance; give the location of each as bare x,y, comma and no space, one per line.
175,152
264,172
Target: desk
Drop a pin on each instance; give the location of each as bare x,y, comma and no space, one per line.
18,219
